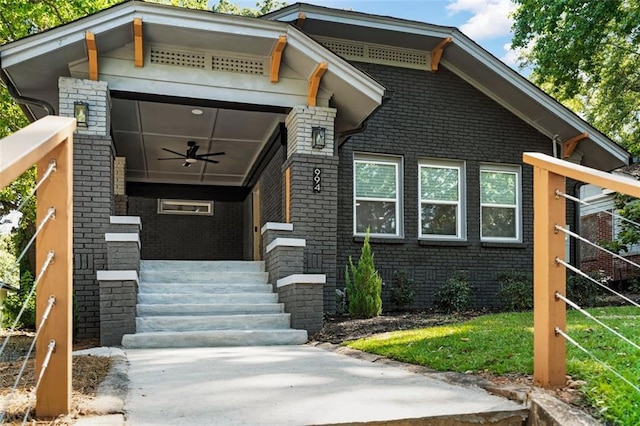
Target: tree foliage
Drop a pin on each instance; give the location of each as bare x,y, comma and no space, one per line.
364,285
586,53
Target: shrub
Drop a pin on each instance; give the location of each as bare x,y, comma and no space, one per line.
454,295
364,285
583,291
403,289
516,290
341,301
13,304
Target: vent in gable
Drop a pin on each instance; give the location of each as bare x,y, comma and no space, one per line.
378,54
345,49
395,55
177,58
235,64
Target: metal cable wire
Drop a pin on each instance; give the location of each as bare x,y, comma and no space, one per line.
585,203
44,268
51,213
578,271
577,345
588,315
45,316
45,176
581,238
45,364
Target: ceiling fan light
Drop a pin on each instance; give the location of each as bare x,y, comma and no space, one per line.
191,160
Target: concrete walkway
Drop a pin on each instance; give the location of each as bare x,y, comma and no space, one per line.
286,385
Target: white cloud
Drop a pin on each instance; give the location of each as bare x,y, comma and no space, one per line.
510,56
490,18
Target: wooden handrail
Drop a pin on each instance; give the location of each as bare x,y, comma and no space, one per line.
27,146
583,174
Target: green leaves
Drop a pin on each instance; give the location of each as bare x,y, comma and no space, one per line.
364,285
587,52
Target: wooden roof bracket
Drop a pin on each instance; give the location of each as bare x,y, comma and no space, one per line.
92,53
300,21
436,53
138,42
314,83
276,58
570,145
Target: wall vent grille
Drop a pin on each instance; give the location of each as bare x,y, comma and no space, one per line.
234,64
345,49
402,56
378,54
177,58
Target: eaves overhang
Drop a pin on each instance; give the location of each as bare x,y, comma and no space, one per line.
33,64
472,63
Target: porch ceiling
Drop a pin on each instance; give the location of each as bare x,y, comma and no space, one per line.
152,105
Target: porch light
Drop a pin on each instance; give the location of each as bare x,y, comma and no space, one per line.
318,137
81,113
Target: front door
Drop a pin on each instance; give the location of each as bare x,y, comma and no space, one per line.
255,207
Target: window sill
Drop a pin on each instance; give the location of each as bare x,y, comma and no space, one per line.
444,243
514,245
380,240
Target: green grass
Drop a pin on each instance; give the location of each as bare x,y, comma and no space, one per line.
503,343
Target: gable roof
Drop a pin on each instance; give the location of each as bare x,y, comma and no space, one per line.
472,63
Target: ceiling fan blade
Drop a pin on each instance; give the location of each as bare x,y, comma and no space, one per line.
174,152
208,161
211,154
172,158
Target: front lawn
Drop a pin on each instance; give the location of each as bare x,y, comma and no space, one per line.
503,343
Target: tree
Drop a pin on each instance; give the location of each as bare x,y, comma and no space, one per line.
586,53
364,285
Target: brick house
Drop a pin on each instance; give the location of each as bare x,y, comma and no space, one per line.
333,121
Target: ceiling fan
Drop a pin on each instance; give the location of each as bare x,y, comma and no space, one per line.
192,155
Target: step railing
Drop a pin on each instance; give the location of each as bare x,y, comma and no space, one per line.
549,270
48,143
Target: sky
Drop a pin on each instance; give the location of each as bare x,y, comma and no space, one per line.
486,22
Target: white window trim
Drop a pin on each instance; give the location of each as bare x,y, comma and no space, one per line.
516,170
397,162
461,219
206,205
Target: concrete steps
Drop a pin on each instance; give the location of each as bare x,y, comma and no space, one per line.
208,303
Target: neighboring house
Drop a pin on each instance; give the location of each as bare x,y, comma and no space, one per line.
600,222
424,134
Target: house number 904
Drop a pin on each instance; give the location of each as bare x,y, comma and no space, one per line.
317,179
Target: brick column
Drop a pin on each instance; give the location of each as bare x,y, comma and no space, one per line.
302,298
92,199
118,296
314,210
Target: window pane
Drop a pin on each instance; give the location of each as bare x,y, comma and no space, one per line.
499,222
375,180
378,216
439,184
439,219
497,188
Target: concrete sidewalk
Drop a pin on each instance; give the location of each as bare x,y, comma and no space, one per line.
288,385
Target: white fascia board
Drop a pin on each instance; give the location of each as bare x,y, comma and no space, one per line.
117,276
302,279
286,242
276,226
126,220
318,53
116,16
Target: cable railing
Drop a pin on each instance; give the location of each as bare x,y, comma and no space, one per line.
48,144
550,300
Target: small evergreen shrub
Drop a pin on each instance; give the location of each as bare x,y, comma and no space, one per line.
341,301
516,290
13,303
364,285
454,295
403,289
583,291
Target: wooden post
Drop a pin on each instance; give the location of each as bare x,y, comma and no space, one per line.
54,393
549,363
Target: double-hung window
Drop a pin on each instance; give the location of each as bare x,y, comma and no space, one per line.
377,195
442,210
500,203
